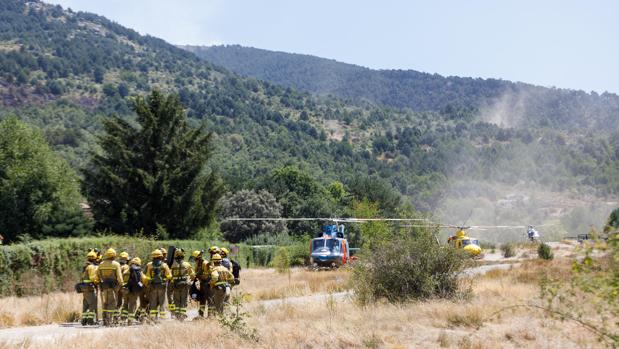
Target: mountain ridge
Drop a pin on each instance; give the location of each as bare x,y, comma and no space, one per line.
416,90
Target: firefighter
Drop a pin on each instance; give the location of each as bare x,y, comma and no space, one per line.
99,256
221,278
234,267
169,299
89,291
157,274
225,261
182,274
213,250
202,276
134,283
110,279
123,260
98,261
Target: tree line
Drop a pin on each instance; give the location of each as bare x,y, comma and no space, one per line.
155,177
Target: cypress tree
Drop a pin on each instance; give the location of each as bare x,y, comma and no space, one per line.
152,177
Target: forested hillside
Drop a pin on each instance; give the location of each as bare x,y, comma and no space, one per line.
518,104
64,71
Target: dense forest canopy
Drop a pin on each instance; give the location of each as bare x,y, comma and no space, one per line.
65,72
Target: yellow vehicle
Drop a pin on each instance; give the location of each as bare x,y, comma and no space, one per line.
468,244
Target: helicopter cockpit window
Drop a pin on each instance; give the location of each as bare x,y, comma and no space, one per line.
318,243
476,242
466,242
333,244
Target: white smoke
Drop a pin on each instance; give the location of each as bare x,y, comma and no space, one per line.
507,110
515,194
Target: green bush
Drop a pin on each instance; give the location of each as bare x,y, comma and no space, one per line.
545,252
408,268
281,261
508,250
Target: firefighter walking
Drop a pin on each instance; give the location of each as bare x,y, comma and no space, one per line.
89,290
221,280
110,279
182,274
123,260
202,276
134,283
157,274
169,300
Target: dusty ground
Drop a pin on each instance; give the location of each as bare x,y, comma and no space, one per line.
316,312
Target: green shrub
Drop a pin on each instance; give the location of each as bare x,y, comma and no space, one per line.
508,250
281,261
545,252
407,268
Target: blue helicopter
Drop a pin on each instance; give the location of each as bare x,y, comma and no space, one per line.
330,248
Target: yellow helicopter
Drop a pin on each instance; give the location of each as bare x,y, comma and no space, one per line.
469,244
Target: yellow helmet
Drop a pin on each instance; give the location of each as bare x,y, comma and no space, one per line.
197,254
136,261
224,252
216,257
123,255
179,253
110,253
163,251
92,256
156,254
213,250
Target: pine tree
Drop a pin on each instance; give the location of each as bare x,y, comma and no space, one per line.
153,177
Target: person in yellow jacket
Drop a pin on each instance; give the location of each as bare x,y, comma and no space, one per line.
225,261
202,276
221,279
134,284
213,250
157,274
89,291
123,260
169,300
182,274
109,277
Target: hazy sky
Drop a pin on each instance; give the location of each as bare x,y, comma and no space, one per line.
572,44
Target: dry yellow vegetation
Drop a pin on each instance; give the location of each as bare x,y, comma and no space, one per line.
331,322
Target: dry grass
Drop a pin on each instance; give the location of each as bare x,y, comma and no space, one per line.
39,310
263,284
337,323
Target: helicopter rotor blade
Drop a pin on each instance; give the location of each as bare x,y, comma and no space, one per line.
337,220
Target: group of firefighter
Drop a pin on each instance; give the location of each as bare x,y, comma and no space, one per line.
122,282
